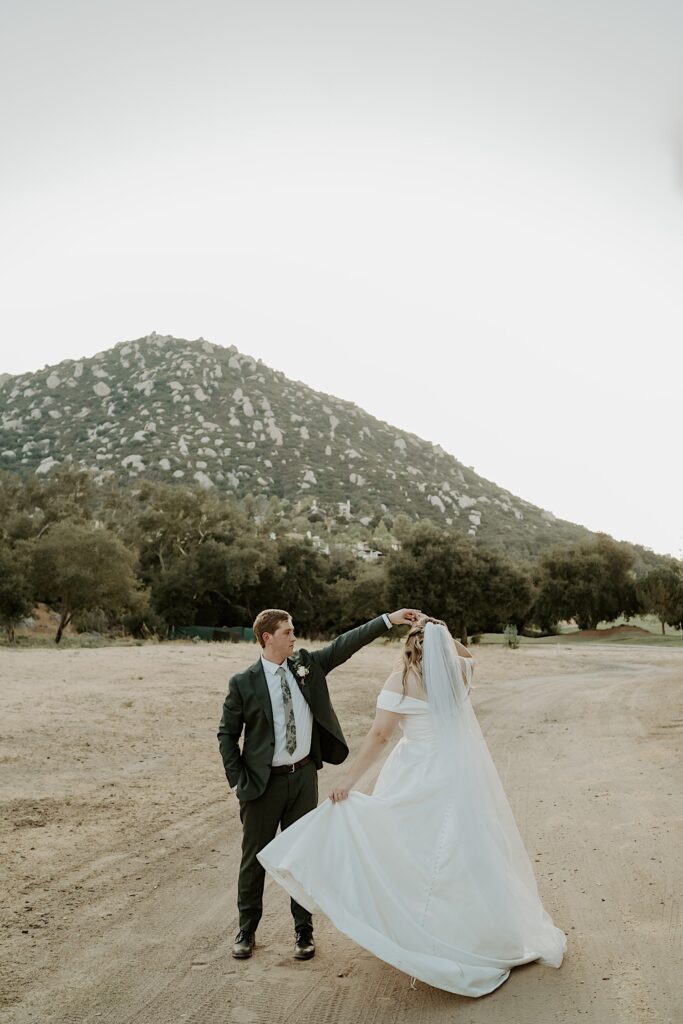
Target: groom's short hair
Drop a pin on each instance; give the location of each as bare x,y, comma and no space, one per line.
267,621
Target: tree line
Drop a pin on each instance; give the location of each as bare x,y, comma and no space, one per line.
140,561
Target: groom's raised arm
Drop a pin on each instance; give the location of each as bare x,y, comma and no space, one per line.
341,649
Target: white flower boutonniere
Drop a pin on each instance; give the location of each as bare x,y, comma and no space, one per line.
302,672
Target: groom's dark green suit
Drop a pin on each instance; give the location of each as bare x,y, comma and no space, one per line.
268,800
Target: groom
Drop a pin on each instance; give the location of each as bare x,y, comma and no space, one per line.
283,705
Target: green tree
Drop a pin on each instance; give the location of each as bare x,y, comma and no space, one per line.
68,493
17,510
590,583
402,527
436,572
16,591
215,583
360,595
303,586
448,576
173,591
504,593
220,579
163,521
199,551
661,593
79,567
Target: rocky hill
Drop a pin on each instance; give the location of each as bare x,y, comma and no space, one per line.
190,411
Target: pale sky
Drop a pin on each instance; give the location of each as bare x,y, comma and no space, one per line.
465,217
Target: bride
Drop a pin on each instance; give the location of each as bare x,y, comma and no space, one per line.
430,872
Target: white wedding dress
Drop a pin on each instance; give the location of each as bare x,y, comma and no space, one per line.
429,873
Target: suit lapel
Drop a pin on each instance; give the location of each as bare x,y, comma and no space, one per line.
261,690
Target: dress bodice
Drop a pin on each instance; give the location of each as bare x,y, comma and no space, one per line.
415,720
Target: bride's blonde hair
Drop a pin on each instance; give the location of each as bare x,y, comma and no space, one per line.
412,650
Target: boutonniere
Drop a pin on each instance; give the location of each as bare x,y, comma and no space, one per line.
302,672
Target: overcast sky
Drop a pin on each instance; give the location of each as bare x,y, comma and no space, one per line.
465,217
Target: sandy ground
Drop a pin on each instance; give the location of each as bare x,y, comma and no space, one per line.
119,842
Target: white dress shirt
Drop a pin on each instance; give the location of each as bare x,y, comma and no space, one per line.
303,717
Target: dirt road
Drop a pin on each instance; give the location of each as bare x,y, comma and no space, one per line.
119,842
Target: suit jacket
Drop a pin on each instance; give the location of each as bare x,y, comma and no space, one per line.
247,707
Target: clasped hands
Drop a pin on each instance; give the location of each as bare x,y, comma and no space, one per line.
404,616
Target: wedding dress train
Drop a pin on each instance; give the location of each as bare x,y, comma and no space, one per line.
429,873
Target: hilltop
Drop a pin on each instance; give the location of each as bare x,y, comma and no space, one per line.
174,410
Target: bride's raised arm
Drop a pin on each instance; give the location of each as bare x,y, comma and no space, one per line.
466,661
463,651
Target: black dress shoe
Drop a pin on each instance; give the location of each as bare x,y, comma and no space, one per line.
243,946
304,946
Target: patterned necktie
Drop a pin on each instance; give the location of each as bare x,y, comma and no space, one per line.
290,724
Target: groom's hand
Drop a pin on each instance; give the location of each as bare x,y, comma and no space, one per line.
404,617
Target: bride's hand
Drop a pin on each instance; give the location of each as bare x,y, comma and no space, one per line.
340,792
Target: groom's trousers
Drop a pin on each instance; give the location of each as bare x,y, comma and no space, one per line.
285,799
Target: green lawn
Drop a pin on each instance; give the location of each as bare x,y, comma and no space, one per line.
673,638
649,622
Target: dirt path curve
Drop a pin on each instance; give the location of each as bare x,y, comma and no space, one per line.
120,849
